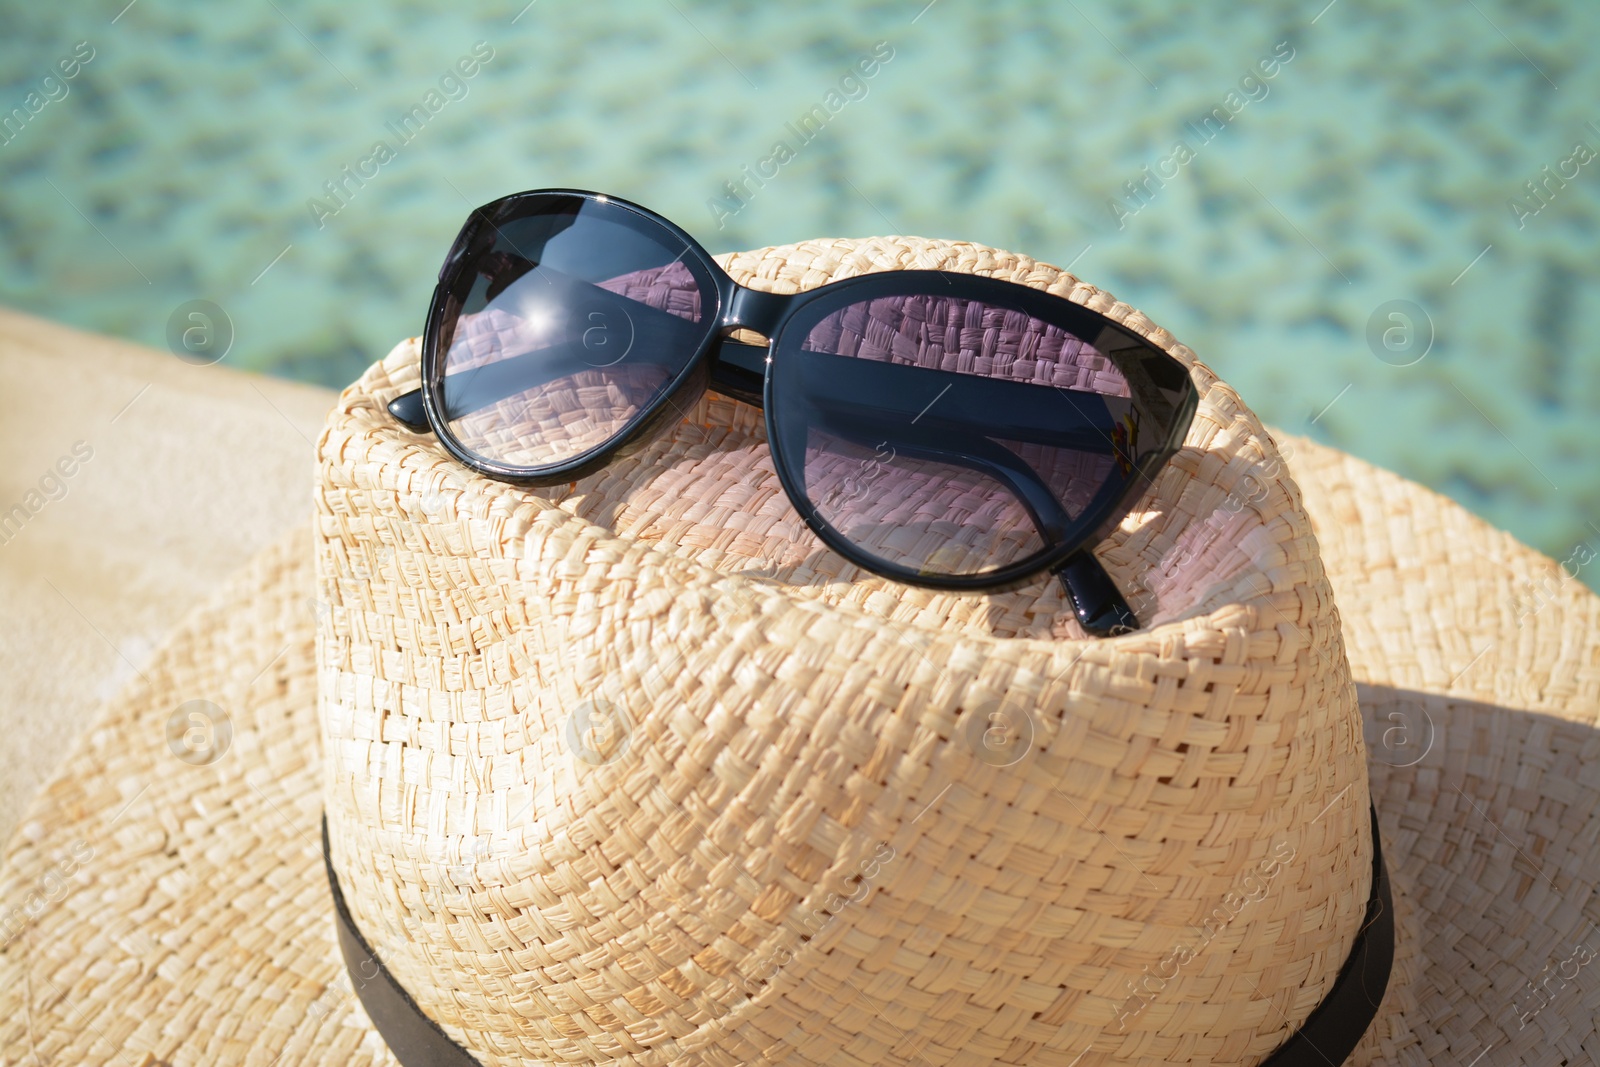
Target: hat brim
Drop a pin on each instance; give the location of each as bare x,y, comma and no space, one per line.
158,912
1477,663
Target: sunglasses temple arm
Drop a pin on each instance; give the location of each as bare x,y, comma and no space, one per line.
739,370
407,409
1099,606
1096,602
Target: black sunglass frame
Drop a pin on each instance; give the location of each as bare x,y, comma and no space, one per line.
745,372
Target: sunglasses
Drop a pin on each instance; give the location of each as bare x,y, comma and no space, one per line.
936,428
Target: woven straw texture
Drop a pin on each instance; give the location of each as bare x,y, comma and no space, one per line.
1477,663
773,833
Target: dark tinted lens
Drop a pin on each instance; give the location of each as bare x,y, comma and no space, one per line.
951,436
568,320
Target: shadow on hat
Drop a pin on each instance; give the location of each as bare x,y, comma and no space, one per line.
634,771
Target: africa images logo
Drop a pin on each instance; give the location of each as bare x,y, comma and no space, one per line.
453,86
852,86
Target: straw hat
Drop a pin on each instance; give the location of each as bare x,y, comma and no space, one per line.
633,772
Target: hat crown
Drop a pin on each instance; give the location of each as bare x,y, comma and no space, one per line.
634,771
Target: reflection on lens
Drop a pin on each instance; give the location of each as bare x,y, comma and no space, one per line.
571,321
918,512
951,436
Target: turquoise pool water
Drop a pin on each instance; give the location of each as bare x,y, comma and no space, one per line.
1378,223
